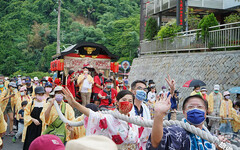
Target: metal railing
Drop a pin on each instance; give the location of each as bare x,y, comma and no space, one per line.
221,36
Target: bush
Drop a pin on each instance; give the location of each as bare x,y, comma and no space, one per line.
169,30
151,28
193,20
40,75
206,22
232,18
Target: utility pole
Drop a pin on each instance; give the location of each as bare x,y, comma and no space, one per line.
58,27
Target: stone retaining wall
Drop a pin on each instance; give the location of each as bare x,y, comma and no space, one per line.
221,68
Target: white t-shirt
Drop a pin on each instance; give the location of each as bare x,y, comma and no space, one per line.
151,96
38,104
86,85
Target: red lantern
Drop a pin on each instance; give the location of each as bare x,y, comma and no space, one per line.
112,66
116,67
51,66
58,65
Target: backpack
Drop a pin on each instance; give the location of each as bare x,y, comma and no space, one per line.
58,127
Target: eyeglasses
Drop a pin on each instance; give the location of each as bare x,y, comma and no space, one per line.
198,106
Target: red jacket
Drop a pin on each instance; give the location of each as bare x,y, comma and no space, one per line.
70,86
97,81
106,101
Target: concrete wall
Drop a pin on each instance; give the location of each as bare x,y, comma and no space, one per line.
221,68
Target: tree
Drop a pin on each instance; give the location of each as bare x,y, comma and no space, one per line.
206,22
232,18
151,28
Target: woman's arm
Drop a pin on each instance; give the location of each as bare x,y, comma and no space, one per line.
72,102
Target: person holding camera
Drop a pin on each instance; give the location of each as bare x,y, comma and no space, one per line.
108,94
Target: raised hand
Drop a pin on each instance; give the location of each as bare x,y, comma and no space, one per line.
171,84
69,97
163,105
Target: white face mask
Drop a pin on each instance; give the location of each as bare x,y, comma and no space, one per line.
197,91
227,97
204,92
164,90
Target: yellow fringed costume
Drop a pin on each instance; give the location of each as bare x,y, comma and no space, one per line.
69,114
236,121
28,119
3,125
211,101
14,100
79,131
224,108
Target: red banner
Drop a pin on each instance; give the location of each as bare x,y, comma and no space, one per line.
77,64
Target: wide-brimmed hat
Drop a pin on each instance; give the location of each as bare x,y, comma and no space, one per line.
226,93
92,142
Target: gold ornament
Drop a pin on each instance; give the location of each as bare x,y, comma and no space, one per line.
89,49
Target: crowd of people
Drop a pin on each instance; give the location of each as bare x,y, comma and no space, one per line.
28,105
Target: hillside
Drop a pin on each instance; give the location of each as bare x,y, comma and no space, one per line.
28,29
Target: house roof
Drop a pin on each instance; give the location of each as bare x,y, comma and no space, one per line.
81,49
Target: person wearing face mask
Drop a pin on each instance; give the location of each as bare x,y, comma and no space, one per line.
196,91
226,112
214,102
98,86
29,86
175,137
70,82
33,125
204,93
139,89
8,101
164,91
50,116
124,134
85,82
24,95
43,82
2,87
34,85
48,90
107,95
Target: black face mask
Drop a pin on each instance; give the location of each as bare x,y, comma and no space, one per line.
100,74
28,84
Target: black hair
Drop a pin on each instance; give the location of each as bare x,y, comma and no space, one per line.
194,96
236,104
24,103
197,86
92,106
133,85
70,72
122,93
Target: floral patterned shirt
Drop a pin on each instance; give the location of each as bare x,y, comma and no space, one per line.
121,132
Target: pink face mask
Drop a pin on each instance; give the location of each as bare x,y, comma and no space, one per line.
40,98
48,89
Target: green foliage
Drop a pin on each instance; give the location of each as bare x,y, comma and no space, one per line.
193,19
28,30
206,22
169,30
151,28
232,18
40,75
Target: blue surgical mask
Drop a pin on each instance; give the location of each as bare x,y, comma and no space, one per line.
141,95
195,116
1,85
